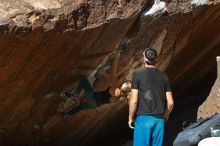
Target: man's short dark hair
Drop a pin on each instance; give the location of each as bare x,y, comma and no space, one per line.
150,56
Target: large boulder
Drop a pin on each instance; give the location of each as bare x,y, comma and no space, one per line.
212,103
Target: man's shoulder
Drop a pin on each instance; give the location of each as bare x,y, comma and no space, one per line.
139,71
164,75
162,72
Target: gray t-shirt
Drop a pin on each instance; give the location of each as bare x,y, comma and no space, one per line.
152,85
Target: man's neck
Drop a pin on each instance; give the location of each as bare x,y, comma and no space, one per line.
150,66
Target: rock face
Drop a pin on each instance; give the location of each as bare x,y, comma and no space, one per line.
212,103
45,45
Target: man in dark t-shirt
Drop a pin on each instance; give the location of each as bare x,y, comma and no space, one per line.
151,102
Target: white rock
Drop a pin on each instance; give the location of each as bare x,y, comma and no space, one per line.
199,2
156,8
212,141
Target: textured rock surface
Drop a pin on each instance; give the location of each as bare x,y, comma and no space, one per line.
212,103
46,44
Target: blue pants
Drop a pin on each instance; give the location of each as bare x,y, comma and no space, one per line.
148,131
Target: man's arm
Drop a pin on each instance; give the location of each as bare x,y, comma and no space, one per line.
115,64
114,81
170,105
132,107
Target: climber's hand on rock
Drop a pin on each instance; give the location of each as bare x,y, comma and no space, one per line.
117,53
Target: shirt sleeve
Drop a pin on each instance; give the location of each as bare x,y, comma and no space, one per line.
167,86
135,83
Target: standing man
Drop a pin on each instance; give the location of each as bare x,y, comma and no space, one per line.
151,102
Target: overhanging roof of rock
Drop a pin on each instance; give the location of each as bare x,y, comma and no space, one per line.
34,26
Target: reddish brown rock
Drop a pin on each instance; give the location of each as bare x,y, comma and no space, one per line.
212,103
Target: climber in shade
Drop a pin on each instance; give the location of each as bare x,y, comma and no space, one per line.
151,101
117,88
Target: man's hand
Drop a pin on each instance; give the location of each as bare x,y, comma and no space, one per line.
131,123
170,104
